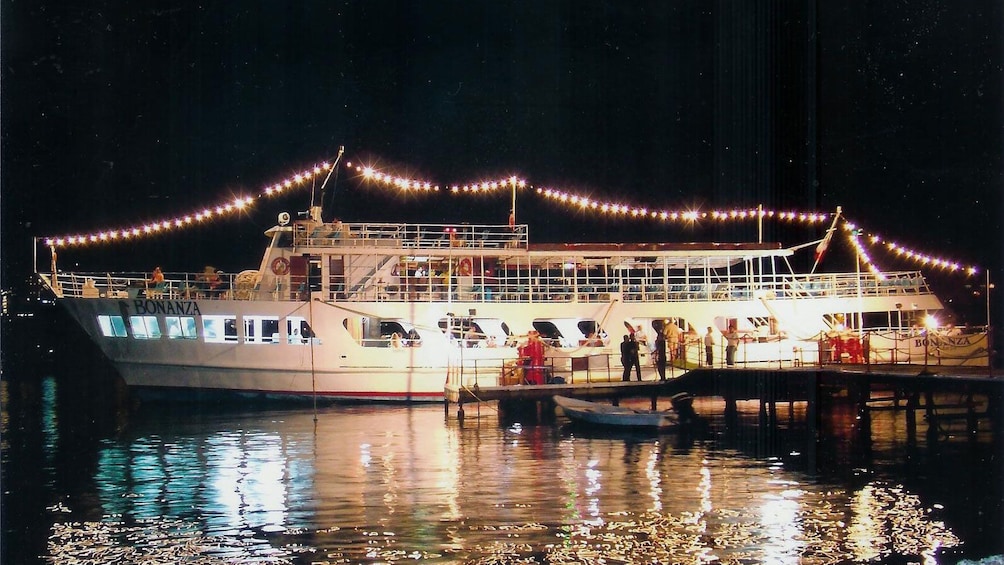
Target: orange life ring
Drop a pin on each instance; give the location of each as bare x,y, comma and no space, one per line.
465,267
280,266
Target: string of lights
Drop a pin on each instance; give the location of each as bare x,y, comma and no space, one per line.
237,204
410,184
561,197
853,237
616,208
900,251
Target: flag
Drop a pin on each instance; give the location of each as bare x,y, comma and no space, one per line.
823,245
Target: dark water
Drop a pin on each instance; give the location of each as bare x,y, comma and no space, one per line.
89,477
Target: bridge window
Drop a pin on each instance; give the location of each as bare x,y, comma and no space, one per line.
144,327
180,327
112,326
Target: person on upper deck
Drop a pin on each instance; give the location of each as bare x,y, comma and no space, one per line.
157,276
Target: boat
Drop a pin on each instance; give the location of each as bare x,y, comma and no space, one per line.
608,415
361,311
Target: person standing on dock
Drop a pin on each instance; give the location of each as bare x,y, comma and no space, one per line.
635,359
731,344
629,358
625,355
709,347
660,355
534,353
673,335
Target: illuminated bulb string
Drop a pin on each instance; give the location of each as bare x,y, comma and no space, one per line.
874,240
409,184
224,209
511,183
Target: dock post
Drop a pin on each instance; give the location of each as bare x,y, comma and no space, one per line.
812,419
859,390
972,422
932,417
460,411
731,409
911,418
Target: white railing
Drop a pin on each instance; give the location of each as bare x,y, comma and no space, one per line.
410,236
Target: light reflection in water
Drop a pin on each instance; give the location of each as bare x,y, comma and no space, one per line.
393,484
782,525
652,474
50,419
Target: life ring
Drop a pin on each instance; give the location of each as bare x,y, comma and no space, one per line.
465,267
280,266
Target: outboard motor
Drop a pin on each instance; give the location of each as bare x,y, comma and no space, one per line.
683,405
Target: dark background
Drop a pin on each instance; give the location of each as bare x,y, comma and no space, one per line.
114,114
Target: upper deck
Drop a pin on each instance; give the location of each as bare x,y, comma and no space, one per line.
487,240
497,263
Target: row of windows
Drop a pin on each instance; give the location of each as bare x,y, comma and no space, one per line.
215,329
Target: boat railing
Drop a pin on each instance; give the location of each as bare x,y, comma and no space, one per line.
506,286
509,286
410,236
175,286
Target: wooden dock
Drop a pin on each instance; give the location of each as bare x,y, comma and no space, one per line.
871,387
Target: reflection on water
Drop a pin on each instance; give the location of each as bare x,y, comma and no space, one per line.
393,483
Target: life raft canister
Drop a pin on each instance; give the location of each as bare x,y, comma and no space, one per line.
465,267
280,266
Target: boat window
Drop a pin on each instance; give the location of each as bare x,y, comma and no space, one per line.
144,327
492,332
456,327
389,327
548,331
659,324
112,326
219,329
261,329
409,336
180,327
298,331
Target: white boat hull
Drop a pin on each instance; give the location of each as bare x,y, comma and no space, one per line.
332,309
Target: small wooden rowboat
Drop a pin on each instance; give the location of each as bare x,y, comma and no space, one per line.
596,414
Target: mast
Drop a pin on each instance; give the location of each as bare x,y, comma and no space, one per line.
315,210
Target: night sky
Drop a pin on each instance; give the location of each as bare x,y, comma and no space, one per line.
116,113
